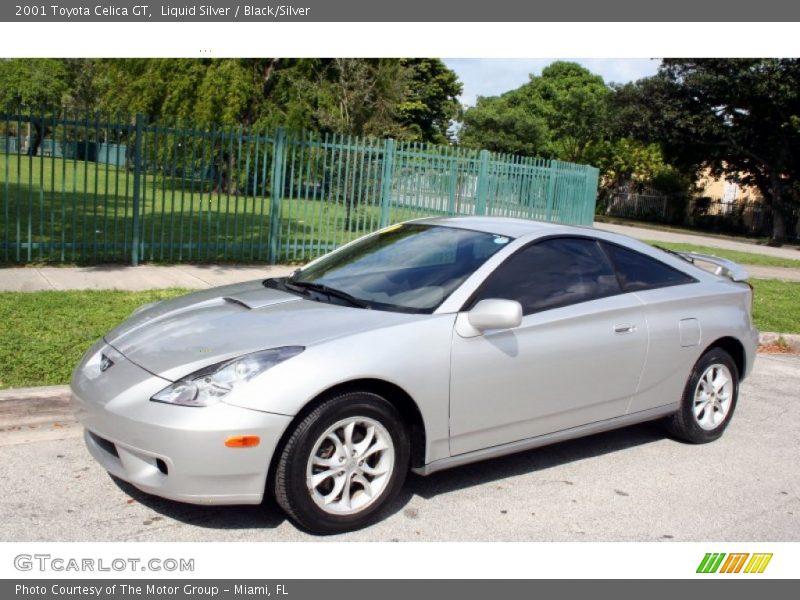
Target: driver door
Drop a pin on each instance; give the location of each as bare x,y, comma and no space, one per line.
576,358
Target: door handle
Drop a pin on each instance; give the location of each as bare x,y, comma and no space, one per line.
624,328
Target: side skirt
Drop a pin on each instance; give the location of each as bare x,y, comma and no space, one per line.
547,439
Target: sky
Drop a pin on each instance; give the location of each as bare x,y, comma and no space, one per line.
493,76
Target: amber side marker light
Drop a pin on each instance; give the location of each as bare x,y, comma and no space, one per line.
243,441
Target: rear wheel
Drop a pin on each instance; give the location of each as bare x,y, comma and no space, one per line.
342,463
709,399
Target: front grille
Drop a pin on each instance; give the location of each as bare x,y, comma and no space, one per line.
105,444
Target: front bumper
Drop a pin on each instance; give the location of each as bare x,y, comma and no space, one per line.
175,452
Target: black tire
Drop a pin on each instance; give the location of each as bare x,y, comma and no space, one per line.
289,483
683,424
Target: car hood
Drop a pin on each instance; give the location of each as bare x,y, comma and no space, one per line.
176,337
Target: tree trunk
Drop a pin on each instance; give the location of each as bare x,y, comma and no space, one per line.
778,216
33,147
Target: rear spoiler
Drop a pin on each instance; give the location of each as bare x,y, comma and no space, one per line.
724,267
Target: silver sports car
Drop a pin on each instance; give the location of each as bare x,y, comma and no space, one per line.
423,346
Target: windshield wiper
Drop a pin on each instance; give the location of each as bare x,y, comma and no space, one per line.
302,286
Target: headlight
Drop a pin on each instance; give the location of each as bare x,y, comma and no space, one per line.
213,383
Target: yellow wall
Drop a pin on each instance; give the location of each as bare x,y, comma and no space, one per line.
720,189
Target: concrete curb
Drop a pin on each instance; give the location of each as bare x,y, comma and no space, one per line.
45,391
791,340
35,407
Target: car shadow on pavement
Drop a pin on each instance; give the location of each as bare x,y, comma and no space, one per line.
532,461
268,515
259,516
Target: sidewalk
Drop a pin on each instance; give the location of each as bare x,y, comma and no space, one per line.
659,235
143,277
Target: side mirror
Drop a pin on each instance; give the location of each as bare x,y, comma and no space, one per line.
493,313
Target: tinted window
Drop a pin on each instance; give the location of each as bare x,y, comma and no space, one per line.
552,273
410,267
639,272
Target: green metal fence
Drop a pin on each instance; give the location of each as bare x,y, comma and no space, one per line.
91,189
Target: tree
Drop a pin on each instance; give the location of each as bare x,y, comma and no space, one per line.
557,114
740,118
361,96
83,78
505,124
430,102
626,160
501,124
224,92
412,99
37,84
576,105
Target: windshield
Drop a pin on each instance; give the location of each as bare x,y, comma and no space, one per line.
409,267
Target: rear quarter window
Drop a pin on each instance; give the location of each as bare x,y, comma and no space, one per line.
638,272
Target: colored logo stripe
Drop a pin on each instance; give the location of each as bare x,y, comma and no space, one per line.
733,564
758,563
710,562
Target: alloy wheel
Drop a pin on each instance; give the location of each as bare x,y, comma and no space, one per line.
712,396
350,465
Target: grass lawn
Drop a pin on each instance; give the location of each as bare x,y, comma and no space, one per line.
44,334
745,258
82,212
776,305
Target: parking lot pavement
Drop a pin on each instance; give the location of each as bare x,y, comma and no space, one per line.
634,484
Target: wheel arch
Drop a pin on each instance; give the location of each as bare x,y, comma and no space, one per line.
733,347
396,395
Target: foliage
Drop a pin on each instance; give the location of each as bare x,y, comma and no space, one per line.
361,97
737,117
430,103
39,82
43,351
412,99
558,114
625,160
33,82
504,124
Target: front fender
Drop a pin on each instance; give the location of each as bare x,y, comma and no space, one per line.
414,356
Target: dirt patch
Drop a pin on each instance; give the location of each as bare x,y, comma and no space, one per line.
776,348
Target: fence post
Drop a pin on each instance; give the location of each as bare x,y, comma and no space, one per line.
386,181
551,189
276,193
591,200
482,190
452,188
137,171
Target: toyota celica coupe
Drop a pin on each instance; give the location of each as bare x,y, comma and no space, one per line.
423,346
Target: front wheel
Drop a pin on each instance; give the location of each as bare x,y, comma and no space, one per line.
709,399
342,463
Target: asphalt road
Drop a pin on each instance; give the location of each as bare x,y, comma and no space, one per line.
634,484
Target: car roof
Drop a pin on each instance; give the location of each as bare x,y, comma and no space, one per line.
511,227
524,228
